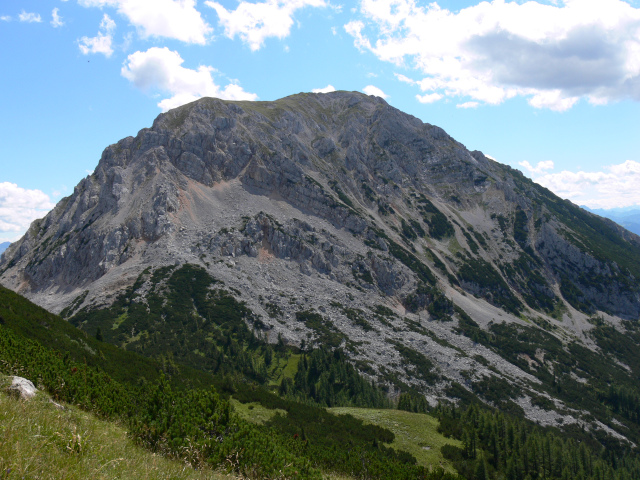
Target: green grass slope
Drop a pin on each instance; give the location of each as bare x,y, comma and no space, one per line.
38,440
28,320
415,433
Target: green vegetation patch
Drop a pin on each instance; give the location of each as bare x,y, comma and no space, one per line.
416,363
254,412
478,274
341,195
520,228
188,319
526,273
357,316
326,333
40,441
499,445
420,269
438,223
179,423
500,392
25,319
415,433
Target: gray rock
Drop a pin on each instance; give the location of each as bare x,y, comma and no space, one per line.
23,388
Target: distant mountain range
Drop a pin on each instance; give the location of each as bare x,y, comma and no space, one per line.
4,246
628,217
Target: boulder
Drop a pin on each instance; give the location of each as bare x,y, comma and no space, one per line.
23,388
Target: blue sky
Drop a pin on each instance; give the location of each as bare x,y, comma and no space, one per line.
550,88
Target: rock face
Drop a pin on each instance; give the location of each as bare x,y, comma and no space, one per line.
22,388
334,202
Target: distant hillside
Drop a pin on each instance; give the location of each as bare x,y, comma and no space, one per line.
4,246
628,218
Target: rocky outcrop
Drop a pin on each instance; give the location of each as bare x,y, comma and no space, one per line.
22,388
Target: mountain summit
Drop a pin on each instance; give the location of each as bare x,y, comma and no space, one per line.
339,219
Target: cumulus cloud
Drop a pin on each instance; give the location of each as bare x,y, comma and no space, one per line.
429,98
29,17
616,186
255,22
5,18
160,69
540,167
355,30
177,19
328,89
19,207
553,55
102,42
467,105
56,19
375,91
405,79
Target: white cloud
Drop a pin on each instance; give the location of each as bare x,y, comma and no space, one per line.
5,18
56,19
375,91
29,17
468,105
255,22
540,167
405,79
177,19
553,100
355,30
553,55
102,42
328,89
161,69
19,207
429,98
617,186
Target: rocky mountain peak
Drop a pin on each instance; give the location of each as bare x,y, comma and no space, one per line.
340,206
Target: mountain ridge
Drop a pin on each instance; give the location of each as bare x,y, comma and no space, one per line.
627,217
338,219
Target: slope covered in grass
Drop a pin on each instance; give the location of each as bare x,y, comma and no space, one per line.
38,440
27,320
415,433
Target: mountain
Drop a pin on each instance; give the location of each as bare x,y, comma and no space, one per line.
4,246
337,220
628,217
